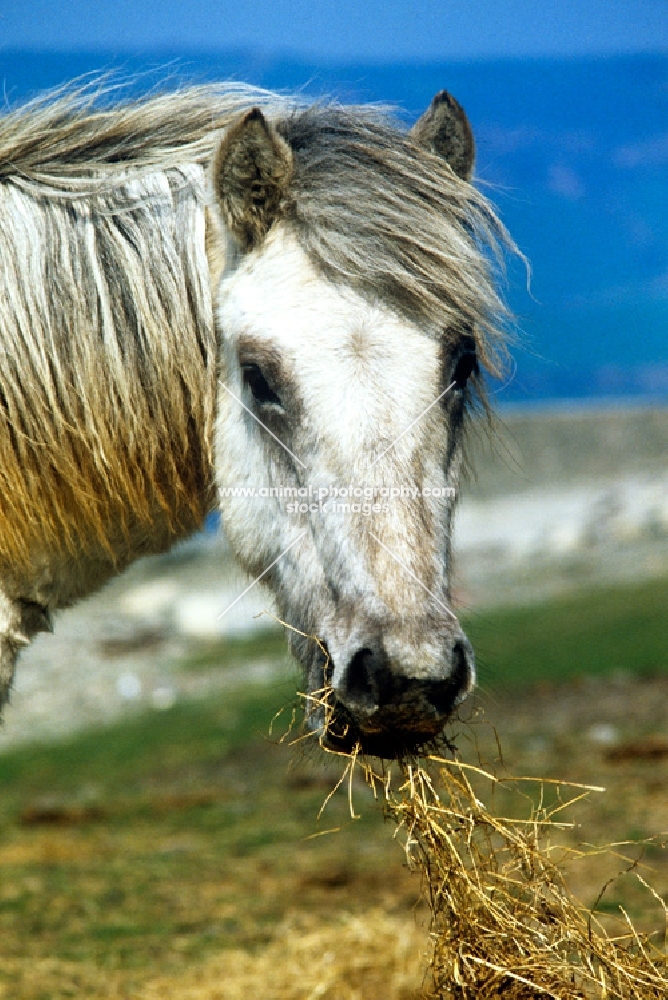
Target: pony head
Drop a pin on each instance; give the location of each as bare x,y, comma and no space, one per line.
355,308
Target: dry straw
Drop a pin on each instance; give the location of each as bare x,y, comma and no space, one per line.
504,923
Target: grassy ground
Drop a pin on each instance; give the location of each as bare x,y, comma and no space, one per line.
596,631
173,855
158,842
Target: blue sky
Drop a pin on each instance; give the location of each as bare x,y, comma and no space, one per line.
344,29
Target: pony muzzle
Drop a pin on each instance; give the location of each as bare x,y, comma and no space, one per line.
384,711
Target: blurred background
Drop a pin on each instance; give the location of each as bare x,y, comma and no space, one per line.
144,719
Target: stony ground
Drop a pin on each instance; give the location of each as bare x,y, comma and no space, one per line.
131,646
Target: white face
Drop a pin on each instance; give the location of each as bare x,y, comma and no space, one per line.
349,391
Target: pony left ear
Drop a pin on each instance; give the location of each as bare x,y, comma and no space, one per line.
445,130
251,172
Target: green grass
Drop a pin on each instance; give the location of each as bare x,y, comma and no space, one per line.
199,841
235,652
597,631
150,747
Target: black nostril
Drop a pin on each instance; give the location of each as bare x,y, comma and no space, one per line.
445,694
358,676
364,685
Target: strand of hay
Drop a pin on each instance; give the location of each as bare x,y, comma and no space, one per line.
504,923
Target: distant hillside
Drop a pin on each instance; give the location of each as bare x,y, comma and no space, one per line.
575,154
555,448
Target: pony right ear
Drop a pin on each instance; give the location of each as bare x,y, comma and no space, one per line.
445,130
252,169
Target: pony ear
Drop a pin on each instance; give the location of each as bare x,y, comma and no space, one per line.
251,172
445,130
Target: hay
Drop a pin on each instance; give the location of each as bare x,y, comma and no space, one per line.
504,923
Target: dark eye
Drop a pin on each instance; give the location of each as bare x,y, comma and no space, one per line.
466,363
262,392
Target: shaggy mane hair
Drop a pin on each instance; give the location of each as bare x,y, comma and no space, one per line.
108,383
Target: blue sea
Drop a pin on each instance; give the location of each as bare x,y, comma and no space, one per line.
574,153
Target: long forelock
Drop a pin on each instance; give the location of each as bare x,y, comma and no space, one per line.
376,212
